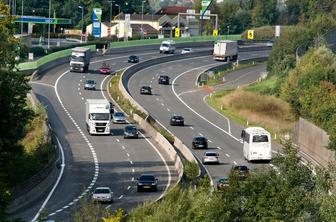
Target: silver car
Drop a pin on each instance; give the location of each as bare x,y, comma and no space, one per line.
186,50
119,117
90,84
102,194
210,157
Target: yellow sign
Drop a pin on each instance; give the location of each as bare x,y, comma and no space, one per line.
215,32
177,32
250,34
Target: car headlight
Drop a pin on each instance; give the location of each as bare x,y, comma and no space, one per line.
140,184
92,124
153,183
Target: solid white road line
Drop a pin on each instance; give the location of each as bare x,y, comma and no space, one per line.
56,184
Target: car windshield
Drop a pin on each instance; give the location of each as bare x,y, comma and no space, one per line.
90,82
200,139
77,58
211,154
241,168
100,116
147,178
177,117
99,191
119,114
133,57
131,128
260,139
224,180
186,49
164,45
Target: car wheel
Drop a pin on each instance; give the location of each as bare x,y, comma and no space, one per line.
138,189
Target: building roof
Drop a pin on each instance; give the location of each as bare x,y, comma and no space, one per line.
146,28
172,10
138,17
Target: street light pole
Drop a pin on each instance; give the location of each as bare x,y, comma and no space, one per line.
21,17
118,21
228,32
142,8
49,25
111,13
82,22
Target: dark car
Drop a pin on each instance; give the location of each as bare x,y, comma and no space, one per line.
177,120
163,80
241,170
200,142
146,90
131,132
133,59
147,182
222,183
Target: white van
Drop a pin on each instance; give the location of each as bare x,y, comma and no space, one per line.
168,47
256,144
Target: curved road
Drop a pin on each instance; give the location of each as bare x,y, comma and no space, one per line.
185,98
92,161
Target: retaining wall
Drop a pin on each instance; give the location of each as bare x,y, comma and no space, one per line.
312,141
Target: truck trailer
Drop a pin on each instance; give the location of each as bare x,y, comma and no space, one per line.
97,115
225,50
80,59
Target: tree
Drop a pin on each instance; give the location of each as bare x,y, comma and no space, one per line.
14,113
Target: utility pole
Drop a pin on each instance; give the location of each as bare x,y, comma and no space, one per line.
49,24
142,8
81,7
21,17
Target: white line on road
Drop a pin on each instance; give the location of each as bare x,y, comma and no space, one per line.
219,148
234,162
191,128
133,170
210,141
43,84
162,104
129,187
168,109
108,206
82,98
118,140
227,155
131,162
200,134
128,154
121,197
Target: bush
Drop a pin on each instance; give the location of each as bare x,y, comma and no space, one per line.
263,33
38,51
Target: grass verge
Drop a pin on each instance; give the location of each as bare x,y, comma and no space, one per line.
37,150
218,76
250,108
129,109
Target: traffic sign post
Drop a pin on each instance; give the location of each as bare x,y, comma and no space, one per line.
215,32
250,34
177,32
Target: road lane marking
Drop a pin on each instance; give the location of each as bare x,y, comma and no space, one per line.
129,187
200,134
121,197
191,128
108,206
234,162
202,117
210,141
118,140
227,155
219,148
128,154
162,104
168,109
41,83
131,162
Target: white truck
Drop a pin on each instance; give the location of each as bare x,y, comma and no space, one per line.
225,50
80,59
168,47
98,117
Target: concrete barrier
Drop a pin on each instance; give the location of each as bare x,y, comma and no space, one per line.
312,142
164,143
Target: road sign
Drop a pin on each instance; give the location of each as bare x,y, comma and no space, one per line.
108,30
96,22
208,12
177,32
277,31
215,32
250,34
191,11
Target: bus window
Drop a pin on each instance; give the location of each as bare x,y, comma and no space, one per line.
260,139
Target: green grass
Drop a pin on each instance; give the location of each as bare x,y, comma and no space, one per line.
263,87
218,76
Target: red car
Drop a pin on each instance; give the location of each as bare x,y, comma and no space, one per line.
105,69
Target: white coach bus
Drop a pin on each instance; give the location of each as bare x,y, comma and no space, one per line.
257,144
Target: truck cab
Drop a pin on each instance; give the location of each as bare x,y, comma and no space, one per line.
98,116
80,59
168,47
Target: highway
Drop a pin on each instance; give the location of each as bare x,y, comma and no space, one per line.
183,97
92,161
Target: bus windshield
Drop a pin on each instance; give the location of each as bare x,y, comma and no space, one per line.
260,139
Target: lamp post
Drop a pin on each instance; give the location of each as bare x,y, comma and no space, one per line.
21,17
111,13
82,22
49,25
142,8
118,21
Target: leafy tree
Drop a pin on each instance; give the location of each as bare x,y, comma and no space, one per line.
264,13
13,113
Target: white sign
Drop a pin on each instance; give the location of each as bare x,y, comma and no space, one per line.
31,56
128,31
206,13
277,31
191,11
206,3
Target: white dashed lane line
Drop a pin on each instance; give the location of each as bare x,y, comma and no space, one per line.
210,141
200,134
129,187
121,197
133,170
132,178
168,109
118,140
162,104
192,128
234,162
82,98
227,155
219,148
